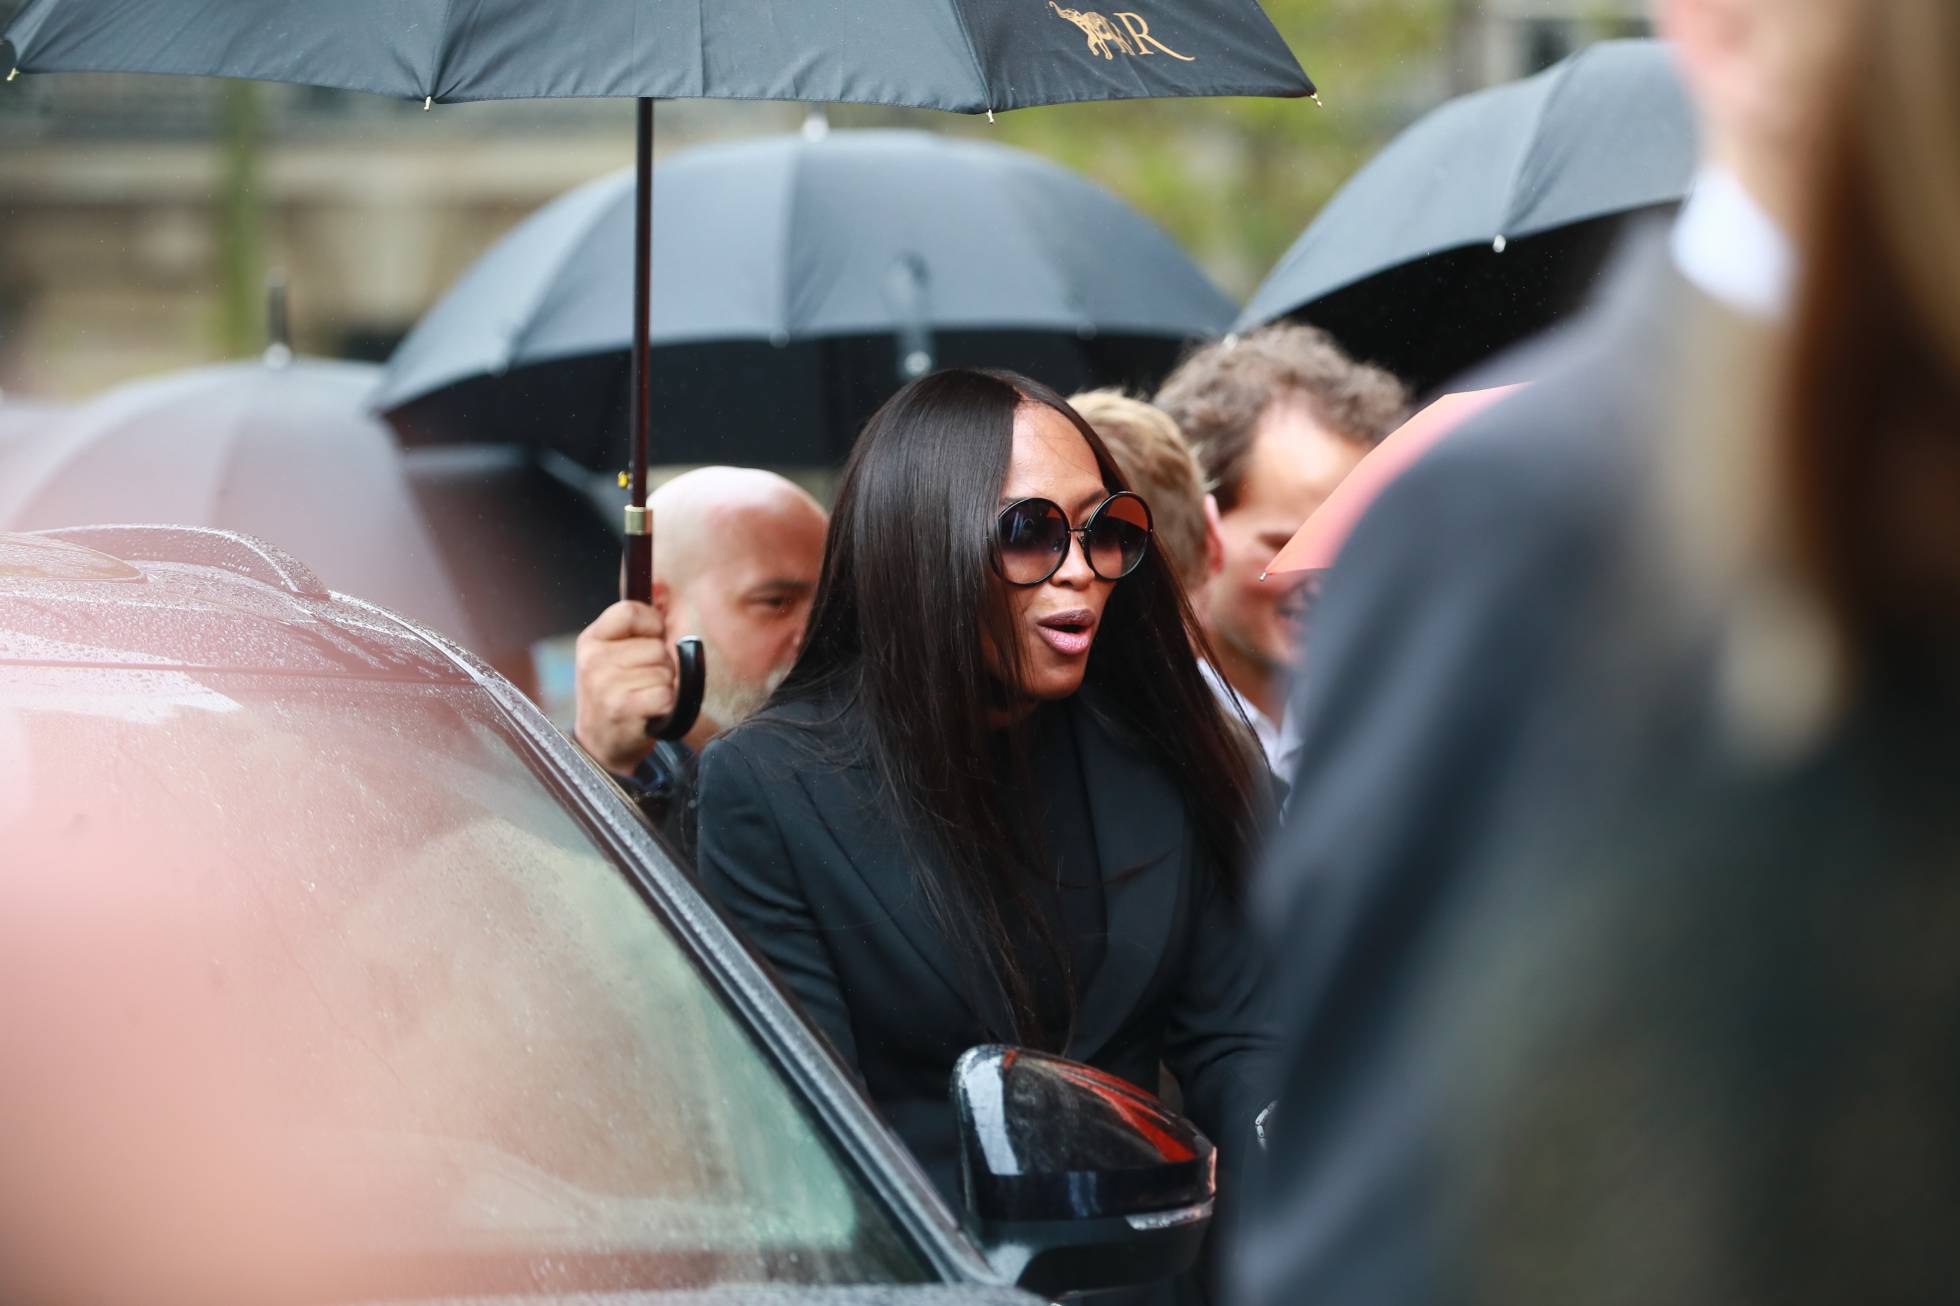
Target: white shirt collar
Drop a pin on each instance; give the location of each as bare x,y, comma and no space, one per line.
1278,739
1732,250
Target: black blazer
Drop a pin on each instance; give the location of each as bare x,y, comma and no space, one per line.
1480,580
806,858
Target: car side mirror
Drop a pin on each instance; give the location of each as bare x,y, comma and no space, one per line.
1074,1179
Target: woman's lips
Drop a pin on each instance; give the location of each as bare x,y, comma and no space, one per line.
1069,633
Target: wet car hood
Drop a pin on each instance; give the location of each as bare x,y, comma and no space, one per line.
64,604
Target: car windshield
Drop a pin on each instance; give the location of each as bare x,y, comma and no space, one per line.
327,988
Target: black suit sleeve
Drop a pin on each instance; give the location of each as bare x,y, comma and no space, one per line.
744,863
1221,1042
1457,598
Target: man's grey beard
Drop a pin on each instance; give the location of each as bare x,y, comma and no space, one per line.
728,702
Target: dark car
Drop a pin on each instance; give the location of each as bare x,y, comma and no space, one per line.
334,972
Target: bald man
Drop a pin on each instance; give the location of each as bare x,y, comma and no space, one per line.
736,554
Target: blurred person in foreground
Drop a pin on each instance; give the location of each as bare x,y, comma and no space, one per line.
995,802
736,555
1430,709
1715,1026
1277,418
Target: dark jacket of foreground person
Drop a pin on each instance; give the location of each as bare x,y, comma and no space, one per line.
1474,586
1710,1049
804,854
1716,1022
1633,979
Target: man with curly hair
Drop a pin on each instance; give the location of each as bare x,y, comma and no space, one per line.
1277,418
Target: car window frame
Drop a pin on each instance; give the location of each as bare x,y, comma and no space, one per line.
753,995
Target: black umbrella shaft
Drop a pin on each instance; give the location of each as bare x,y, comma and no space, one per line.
639,531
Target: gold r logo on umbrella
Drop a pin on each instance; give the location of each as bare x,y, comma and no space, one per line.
1135,40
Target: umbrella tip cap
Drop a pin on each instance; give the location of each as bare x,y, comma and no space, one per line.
1318,103
15,73
428,103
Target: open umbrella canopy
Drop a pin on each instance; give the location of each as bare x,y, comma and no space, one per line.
968,56
531,552
283,452
1489,216
900,247
19,421
18,418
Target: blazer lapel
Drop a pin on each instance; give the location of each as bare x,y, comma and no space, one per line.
1140,825
847,801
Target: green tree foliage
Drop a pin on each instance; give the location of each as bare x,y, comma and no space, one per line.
240,243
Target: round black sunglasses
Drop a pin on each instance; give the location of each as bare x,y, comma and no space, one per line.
1032,536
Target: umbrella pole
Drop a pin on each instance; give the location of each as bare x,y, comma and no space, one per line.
639,531
690,662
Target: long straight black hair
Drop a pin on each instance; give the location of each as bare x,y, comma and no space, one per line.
906,609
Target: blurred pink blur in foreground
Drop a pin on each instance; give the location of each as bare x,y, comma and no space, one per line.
1318,542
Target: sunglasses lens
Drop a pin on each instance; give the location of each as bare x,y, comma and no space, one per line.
1119,536
1030,537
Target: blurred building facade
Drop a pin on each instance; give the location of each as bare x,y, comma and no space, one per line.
141,216
1507,39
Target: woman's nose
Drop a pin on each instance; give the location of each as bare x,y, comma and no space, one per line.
1075,571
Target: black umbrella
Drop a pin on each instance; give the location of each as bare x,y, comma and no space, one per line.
283,451
1489,218
797,281
528,547
19,417
966,56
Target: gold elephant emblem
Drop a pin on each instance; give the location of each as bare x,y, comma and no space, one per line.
1101,32
1105,38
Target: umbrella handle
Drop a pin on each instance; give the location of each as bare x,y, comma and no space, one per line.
691,664
639,556
690,659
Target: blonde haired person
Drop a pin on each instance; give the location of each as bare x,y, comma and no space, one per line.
1153,454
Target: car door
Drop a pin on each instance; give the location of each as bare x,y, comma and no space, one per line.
350,982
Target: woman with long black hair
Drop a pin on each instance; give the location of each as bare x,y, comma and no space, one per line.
994,800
